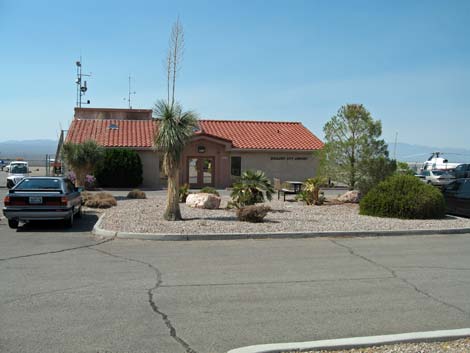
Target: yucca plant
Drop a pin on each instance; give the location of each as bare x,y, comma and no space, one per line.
175,129
312,190
252,187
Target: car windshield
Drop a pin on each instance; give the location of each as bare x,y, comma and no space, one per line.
19,169
41,184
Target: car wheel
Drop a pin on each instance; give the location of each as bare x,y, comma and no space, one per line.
13,223
429,182
69,221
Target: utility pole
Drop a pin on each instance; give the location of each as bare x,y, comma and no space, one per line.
129,93
395,147
81,87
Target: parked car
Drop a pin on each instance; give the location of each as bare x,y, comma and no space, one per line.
436,177
462,171
457,196
17,170
42,198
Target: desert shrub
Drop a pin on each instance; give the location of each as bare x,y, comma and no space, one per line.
252,188
119,168
183,192
403,196
209,190
136,194
100,200
252,213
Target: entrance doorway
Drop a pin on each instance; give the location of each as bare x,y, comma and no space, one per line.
200,172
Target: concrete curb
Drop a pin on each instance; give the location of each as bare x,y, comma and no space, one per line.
356,342
98,231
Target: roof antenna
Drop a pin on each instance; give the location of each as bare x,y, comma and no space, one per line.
81,87
129,93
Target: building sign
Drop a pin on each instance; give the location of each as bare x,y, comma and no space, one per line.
280,158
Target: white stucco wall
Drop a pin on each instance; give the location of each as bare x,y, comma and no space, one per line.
150,169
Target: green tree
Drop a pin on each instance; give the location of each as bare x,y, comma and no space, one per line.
374,171
352,138
82,158
251,188
175,129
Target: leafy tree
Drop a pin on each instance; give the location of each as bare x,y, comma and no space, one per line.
119,167
82,158
251,188
374,171
352,138
404,168
175,129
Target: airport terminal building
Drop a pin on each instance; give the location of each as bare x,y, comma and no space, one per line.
217,154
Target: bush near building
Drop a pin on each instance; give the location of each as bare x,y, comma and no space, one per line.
403,196
119,168
209,190
98,200
136,194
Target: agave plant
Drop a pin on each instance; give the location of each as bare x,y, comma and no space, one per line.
252,187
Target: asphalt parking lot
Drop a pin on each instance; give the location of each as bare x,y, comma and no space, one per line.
63,290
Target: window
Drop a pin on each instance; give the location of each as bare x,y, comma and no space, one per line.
236,166
41,184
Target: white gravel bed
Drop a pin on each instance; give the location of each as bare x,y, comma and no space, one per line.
146,216
457,346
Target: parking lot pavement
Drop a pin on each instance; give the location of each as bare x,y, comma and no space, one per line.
62,291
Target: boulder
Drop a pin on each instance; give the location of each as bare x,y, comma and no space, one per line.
203,200
352,196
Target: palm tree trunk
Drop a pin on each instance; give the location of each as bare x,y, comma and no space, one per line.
172,212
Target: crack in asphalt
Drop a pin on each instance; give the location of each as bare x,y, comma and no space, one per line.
394,274
274,282
151,300
57,251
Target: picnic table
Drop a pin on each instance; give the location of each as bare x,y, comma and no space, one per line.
296,185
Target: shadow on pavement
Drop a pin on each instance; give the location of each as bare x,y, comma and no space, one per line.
83,224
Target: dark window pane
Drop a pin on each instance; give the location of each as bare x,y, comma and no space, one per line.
236,166
31,184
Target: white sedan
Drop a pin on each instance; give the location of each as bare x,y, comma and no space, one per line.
436,177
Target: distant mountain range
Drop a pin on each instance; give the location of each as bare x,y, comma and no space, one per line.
417,153
37,150
27,149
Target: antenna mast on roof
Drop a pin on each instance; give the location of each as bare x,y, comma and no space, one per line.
129,93
81,87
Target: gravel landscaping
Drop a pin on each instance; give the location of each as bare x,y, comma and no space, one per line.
146,216
457,346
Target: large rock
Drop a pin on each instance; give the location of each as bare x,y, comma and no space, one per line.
352,196
203,200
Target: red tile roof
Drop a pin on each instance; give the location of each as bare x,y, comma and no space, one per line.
262,134
243,134
129,133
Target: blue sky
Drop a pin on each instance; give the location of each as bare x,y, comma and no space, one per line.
407,61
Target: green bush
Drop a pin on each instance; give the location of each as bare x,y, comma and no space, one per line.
403,196
119,168
209,190
136,194
252,187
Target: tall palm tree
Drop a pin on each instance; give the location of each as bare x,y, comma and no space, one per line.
175,129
